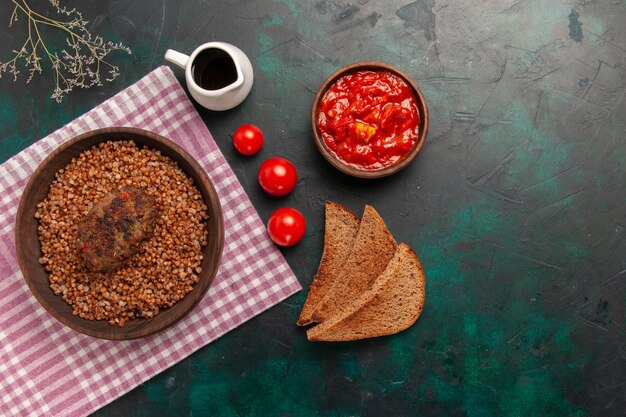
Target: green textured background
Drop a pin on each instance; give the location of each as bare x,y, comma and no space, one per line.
516,204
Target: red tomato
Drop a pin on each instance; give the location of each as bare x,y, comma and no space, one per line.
248,139
277,176
286,226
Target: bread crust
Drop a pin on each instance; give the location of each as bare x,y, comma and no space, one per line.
373,248
402,285
341,227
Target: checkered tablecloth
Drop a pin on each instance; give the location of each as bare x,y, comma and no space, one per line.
47,369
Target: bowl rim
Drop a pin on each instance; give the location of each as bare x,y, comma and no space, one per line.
351,169
212,200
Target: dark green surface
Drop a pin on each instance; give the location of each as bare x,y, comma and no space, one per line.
516,204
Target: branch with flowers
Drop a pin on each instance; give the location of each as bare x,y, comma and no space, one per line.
83,63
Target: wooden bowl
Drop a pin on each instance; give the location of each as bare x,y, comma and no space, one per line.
352,169
29,249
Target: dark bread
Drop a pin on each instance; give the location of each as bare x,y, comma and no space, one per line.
393,303
341,227
373,248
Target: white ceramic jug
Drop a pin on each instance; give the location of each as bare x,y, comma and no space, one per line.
219,75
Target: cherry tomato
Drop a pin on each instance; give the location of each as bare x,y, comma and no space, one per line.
286,226
277,176
248,139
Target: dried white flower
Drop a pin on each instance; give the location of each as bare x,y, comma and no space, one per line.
77,66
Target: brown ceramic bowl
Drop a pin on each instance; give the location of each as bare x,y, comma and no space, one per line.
354,170
29,249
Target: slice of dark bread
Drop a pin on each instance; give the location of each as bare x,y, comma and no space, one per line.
373,248
393,303
341,227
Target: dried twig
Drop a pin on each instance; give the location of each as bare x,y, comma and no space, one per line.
78,65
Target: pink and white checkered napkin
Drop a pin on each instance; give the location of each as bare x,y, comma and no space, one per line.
49,369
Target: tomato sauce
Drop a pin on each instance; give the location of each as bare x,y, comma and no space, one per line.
369,119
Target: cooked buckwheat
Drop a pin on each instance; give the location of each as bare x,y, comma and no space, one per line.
166,266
